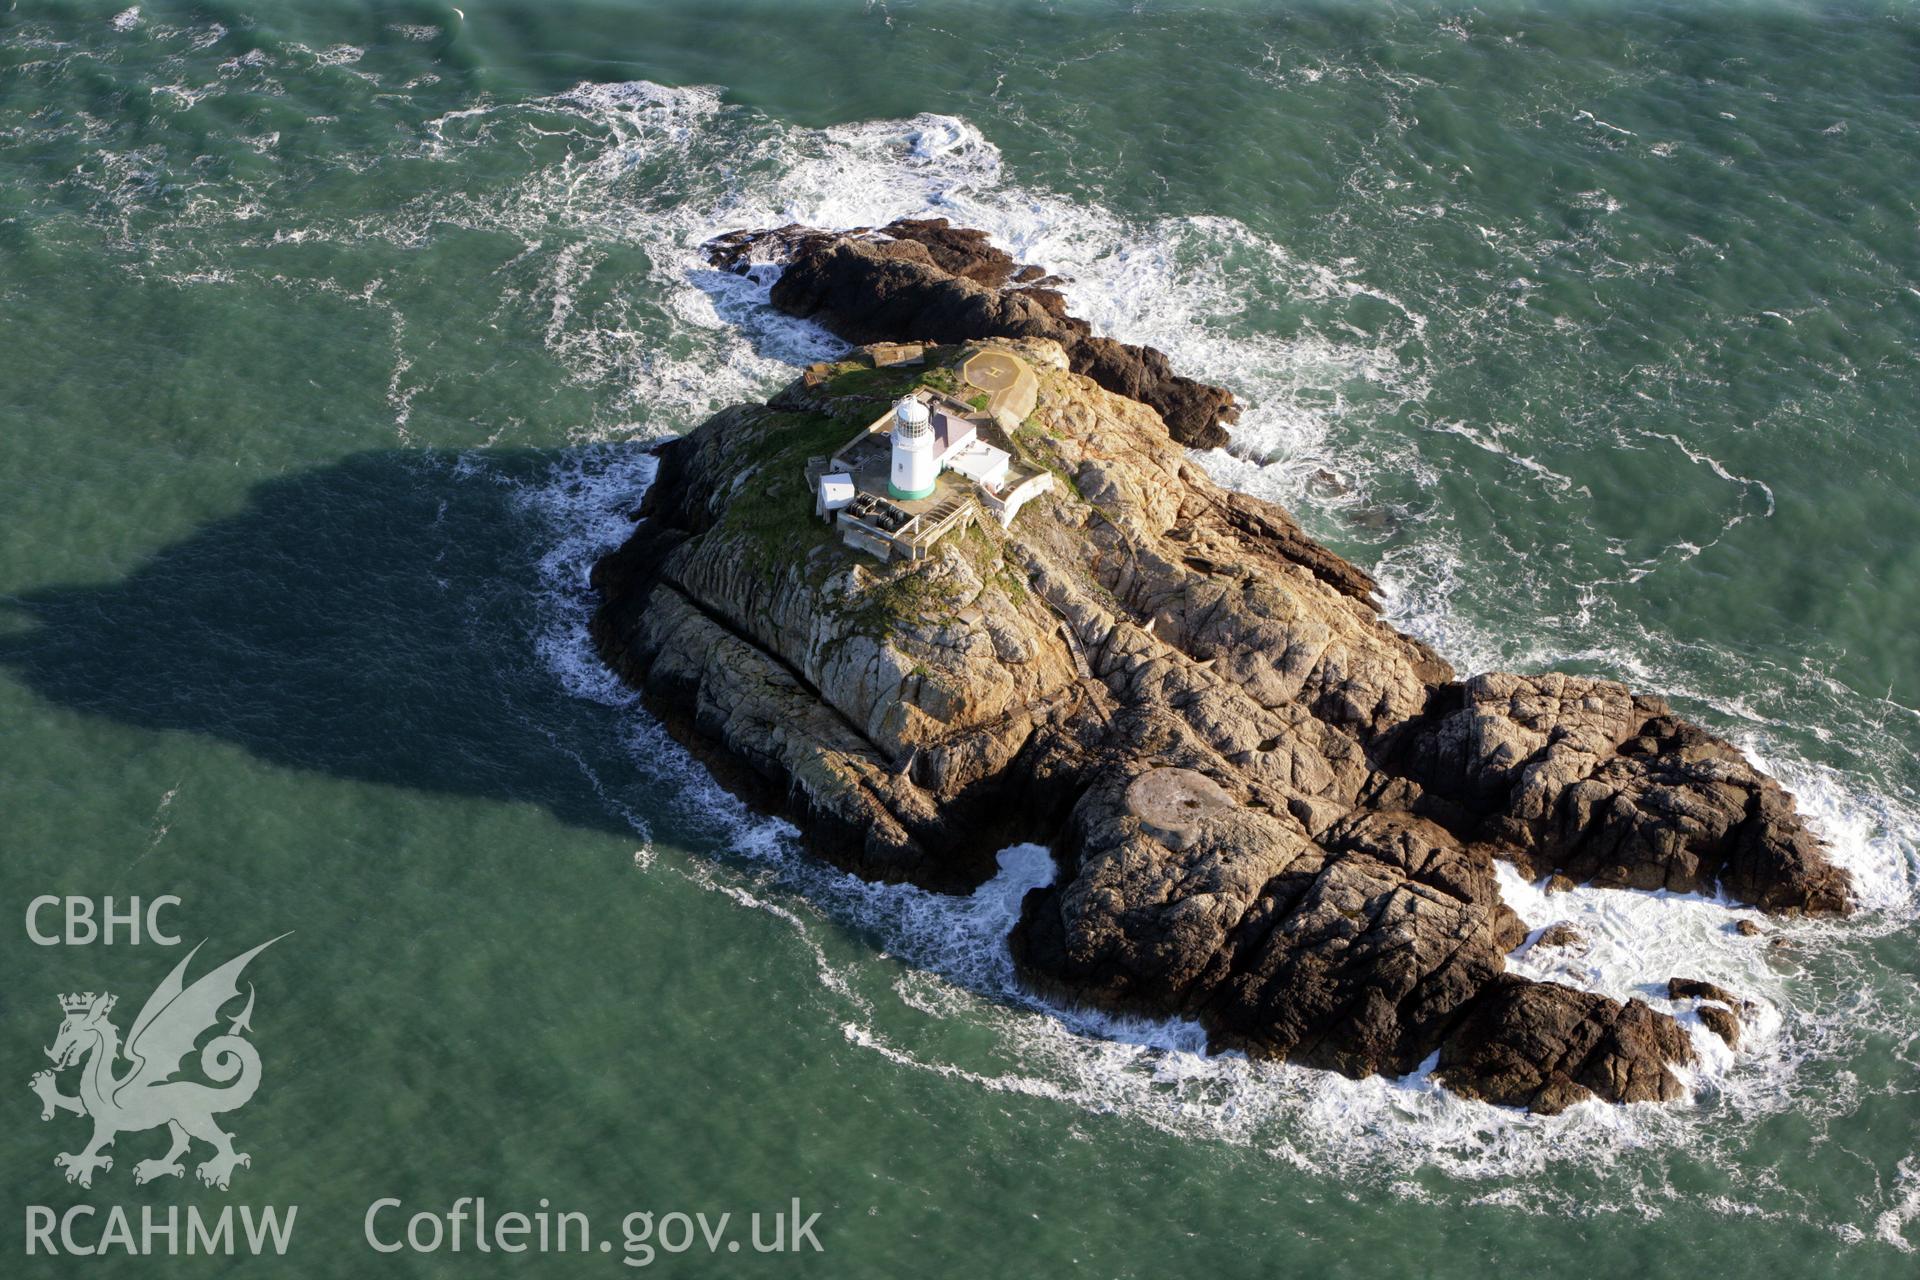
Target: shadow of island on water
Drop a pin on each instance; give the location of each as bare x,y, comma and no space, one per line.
398,618
377,619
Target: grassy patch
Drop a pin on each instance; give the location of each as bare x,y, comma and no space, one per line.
909,596
987,554
1037,451
852,378
771,518
941,378
875,384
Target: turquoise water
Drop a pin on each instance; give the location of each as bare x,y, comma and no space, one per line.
330,332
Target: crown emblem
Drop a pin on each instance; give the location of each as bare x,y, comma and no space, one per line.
81,1001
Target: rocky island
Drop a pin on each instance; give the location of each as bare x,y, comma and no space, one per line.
1270,811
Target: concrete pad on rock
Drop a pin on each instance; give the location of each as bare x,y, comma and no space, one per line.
1171,804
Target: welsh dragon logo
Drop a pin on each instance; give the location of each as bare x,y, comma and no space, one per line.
146,1096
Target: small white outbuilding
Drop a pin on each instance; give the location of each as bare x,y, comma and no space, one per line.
834,492
982,463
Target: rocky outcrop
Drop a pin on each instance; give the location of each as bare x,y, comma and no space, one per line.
1696,989
920,279
1581,777
1719,1010
1271,812
1545,1047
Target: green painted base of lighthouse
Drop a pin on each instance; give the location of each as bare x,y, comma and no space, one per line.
911,495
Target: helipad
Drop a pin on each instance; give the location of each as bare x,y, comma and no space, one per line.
1010,385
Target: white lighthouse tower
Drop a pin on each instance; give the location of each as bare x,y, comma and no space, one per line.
914,468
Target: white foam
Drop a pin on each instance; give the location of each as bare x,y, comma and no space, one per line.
586,501
1890,1226
1874,836
1632,943
646,175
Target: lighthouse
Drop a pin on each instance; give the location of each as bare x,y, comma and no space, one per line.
914,467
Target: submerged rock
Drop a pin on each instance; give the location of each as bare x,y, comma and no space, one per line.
1560,934
1271,812
1719,1008
1696,989
1722,1022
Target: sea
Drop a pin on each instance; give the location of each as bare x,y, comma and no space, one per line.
333,338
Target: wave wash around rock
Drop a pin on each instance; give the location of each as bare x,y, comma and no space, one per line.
1271,812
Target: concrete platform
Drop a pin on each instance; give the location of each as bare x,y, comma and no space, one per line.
871,464
1172,804
1010,384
